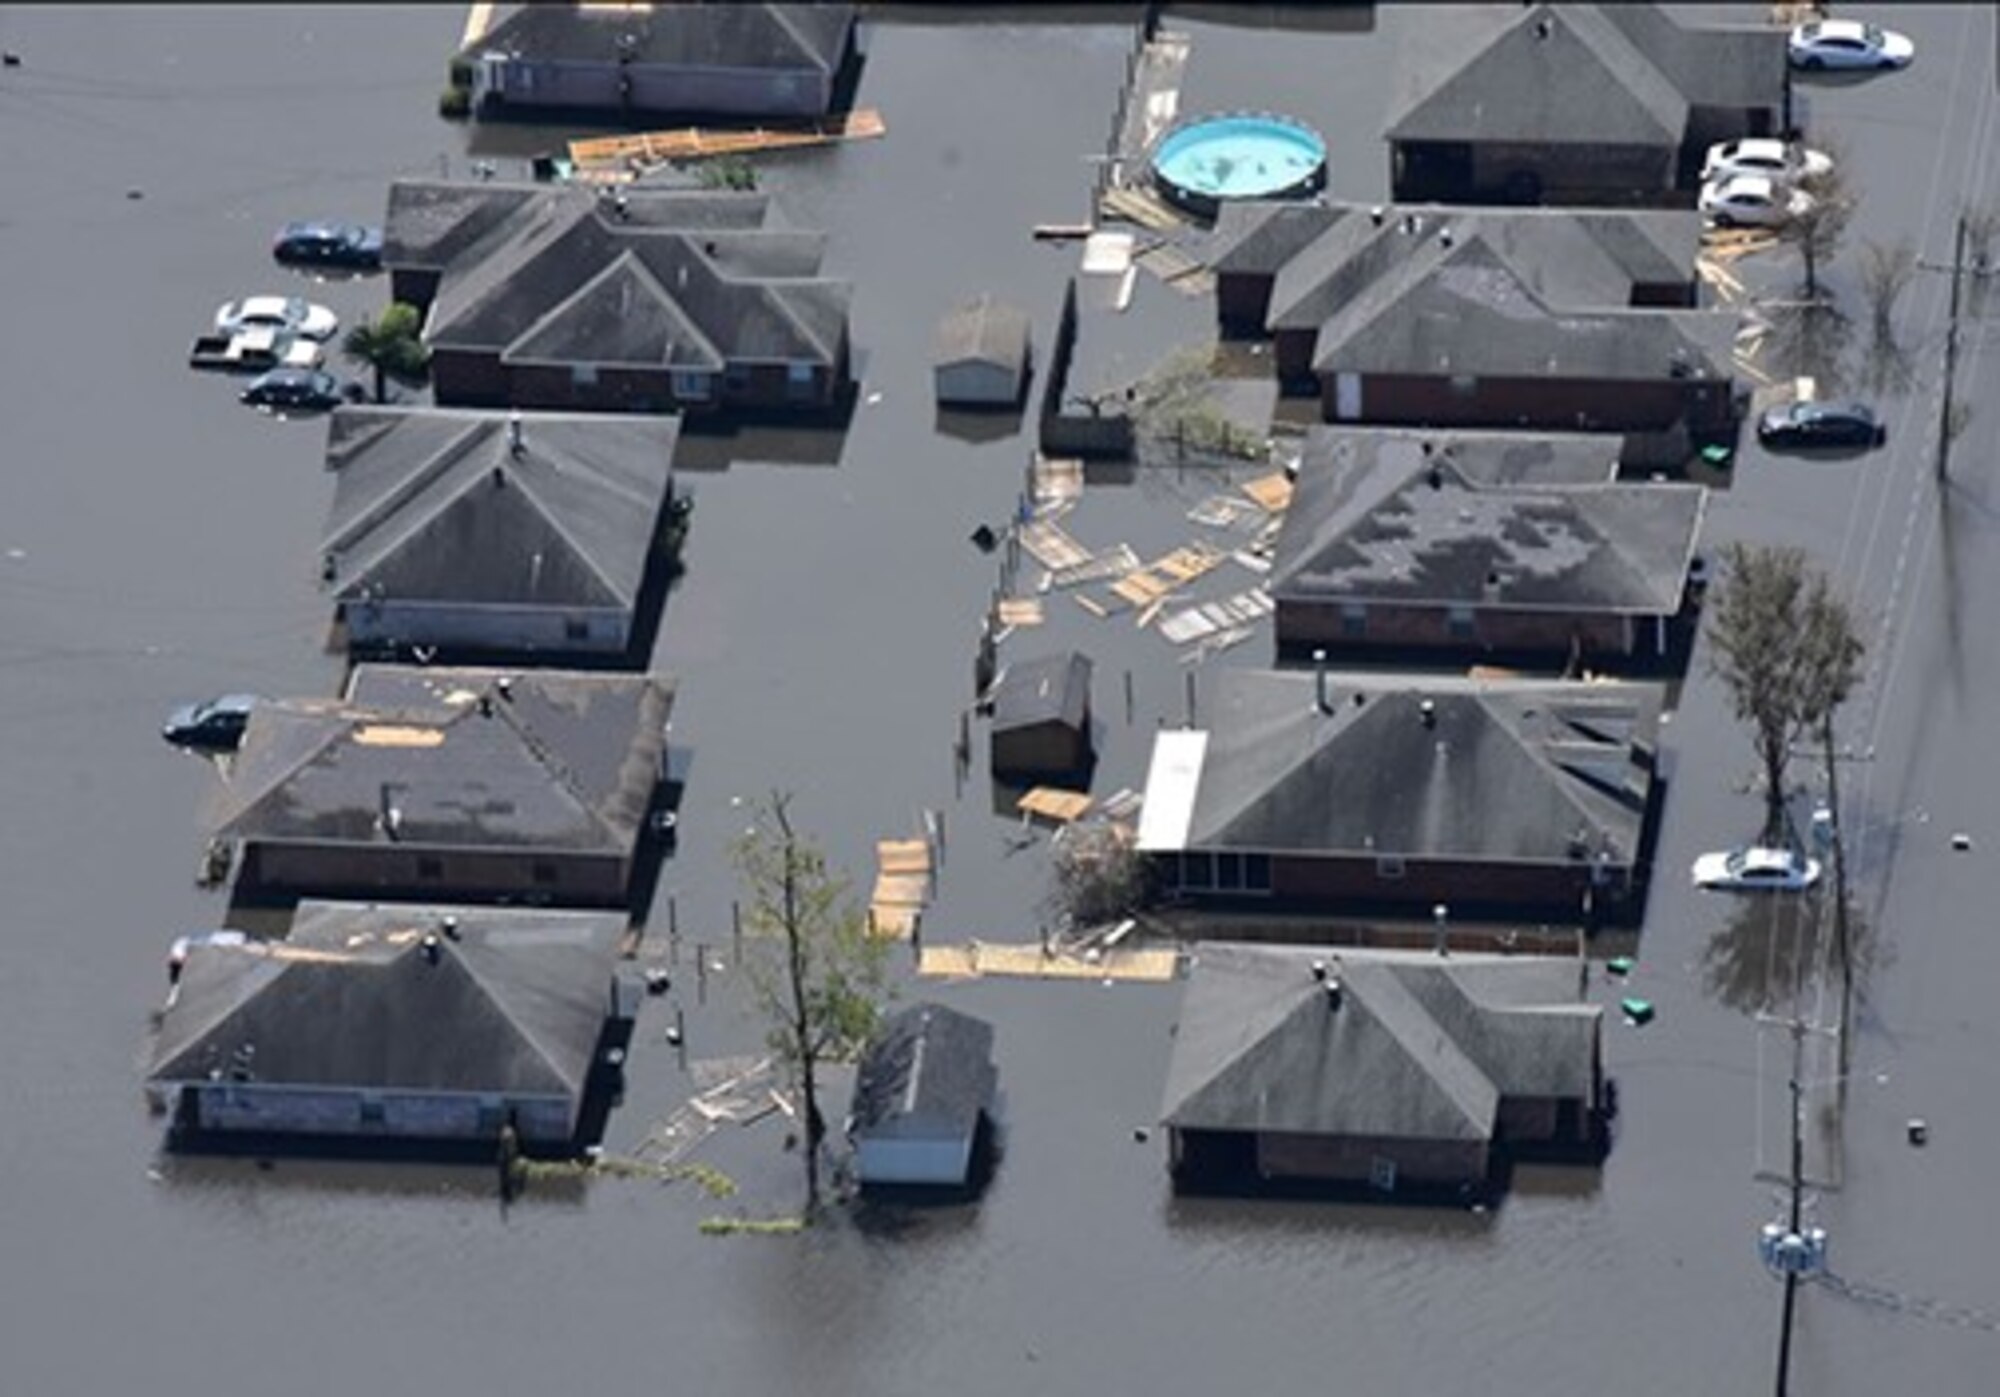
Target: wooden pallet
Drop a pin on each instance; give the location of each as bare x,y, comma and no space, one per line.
697,143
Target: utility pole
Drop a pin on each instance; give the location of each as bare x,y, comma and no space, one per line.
1798,1185
1950,351
1837,851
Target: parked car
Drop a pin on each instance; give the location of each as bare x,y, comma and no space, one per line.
1756,870
1848,44
1821,424
307,390
215,726
255,351
1774,159
349,246
292,315
1755,201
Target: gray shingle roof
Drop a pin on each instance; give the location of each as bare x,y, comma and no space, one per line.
431,504
466,758
1261,235
1419,1047
1575,259
986,330
1479,457
1541,771
1465,310
1396,525
1575,74
1558,74
1047,689
734,35
514,1004
926,1063
590,287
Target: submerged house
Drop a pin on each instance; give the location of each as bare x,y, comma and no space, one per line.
1397,793
673,56
1041,716
645,300
430,782
1286,268
1394,1071
981,356
1402,542
1457,336
395,1024
1577,104
465,530
924,1089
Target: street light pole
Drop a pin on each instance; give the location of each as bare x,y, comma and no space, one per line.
1950,351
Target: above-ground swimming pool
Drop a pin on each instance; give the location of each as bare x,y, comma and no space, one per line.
1203,162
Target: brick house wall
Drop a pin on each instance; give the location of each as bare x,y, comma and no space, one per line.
561,878
1480,631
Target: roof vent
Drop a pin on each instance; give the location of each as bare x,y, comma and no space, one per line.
1435,476
1427,713
1444,237
1544,27
1319,970
499,478
1322,700
1377,214
516,444
329,568
1332,988
433,951
448,924
1440,928
619,205
504,686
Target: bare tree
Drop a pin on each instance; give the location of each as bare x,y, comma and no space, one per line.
1819,227
1886,272
820,979
1785,646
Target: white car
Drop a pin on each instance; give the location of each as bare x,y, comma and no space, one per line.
1753,201
1774,159
1756,870
292,315
1848,44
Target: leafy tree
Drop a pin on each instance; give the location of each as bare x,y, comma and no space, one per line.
391,344
1098,874
1786,647
728,172
818,977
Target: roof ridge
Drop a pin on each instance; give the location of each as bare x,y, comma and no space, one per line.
1384,980
500,1003
528,482
336,724
1559,777
391,520
551,760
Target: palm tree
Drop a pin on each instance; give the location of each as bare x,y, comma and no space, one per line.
390,345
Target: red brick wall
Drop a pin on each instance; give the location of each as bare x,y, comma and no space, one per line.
1351,1159
1494,630
1553,404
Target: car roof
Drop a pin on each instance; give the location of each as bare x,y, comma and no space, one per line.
1758,145
317,227
232,702
1840,29
1765,858
266,305
1759,185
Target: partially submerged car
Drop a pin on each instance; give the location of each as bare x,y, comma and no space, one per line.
214,726
345,246
1805,424
292,315
1756,869
1754,201
304,390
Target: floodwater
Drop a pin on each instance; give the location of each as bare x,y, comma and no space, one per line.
156,544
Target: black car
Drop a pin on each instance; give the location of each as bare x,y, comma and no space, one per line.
215,726
349,246
308,390
1821,424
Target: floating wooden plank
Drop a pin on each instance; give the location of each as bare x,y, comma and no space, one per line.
895,922
1251,560
1140,206
1020,611
696,143
1273,491
1051,546
1122,804
1115,561
1054,803
1088,605
1225,512
1057,479
977,958
901,889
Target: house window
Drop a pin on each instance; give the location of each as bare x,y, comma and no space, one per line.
1463,385
431,869
576,629
1229,873
691,386
1197,871
1389,866
736,380
799,380
1458,620
583,375
543,872
1353,618
1382,1174
1257,873
371,1110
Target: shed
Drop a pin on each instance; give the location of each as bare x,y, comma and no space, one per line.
395,1023
923,1088
1041,715
982,354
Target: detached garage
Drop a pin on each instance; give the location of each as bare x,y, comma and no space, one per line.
924,1087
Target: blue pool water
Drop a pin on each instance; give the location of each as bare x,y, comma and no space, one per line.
1240,157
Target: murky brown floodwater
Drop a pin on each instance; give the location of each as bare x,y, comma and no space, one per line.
156,544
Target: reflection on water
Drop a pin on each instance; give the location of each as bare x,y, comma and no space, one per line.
1809,339
1772,945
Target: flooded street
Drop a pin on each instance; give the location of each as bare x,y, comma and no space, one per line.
157,544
